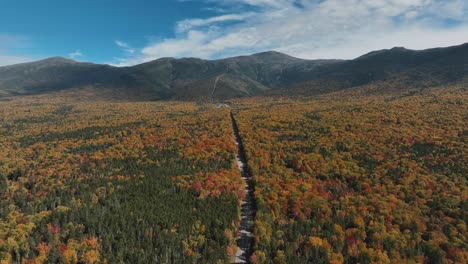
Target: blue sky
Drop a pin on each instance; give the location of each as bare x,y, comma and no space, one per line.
124,32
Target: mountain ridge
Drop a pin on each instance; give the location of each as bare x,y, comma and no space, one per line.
194,78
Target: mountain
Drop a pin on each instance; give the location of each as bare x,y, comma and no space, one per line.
389,70
267,72
50,75
438,66
226,78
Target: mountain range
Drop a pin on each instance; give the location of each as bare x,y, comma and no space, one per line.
262,73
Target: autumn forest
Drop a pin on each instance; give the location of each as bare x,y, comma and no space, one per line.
338,178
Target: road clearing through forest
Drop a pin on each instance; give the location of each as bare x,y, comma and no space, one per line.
245,239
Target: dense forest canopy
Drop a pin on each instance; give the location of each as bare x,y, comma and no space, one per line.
359,179
339,178
116,183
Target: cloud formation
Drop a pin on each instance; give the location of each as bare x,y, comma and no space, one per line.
313,29
187,24
75,55
125,46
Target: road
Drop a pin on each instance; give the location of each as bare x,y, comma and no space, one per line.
245,240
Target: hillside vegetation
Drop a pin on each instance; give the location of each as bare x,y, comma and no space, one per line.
350,179
340,178
116,183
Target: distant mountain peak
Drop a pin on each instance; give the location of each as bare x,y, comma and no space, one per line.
270,53
384,51
274,54
265,57
58,59
399,48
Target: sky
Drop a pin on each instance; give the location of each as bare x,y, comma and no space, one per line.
129,32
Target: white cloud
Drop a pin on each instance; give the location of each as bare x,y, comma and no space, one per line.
411,38
75,55
315,29
125,46
121,44
188,24
177,47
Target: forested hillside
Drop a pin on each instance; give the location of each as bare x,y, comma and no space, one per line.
349,177
116,183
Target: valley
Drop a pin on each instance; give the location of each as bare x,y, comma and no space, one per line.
338,178
252,159
234,131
